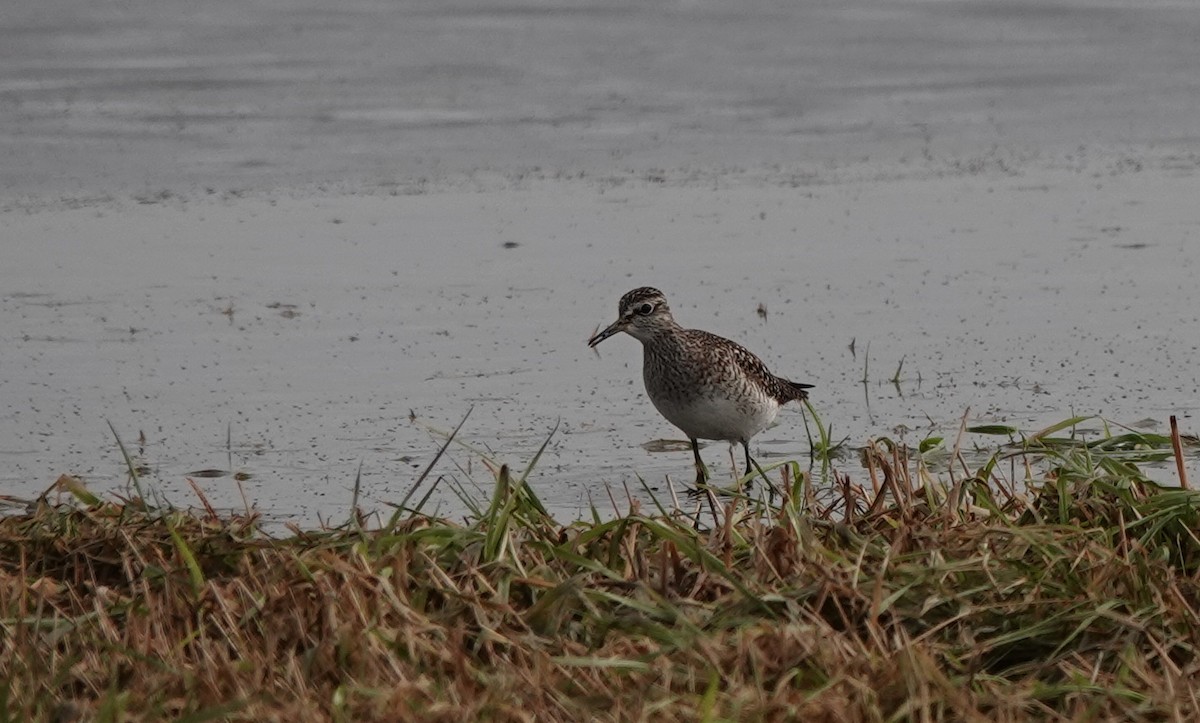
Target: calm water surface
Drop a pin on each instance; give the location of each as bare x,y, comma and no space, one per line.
287,239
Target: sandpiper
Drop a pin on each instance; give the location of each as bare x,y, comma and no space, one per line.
708,386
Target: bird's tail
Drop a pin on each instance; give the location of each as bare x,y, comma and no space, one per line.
796,390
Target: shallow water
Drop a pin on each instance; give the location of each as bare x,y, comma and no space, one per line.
138,95
261,241
307,330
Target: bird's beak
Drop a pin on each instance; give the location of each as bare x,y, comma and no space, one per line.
616,327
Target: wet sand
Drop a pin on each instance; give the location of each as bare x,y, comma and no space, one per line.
263,237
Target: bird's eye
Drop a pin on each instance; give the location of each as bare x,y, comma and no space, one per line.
645,309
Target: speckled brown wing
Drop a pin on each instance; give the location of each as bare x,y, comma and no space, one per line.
783,390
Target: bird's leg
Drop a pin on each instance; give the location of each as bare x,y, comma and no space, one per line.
702,485
701,473
750,462
701,488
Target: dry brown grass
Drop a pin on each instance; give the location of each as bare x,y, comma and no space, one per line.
924,601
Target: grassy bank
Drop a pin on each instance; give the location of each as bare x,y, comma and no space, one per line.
1052,581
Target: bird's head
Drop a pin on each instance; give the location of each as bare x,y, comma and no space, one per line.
643,313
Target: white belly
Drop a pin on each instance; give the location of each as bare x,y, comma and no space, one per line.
718,417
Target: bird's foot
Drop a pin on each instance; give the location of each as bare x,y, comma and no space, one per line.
760,475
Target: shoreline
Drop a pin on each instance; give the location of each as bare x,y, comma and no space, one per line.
903,594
